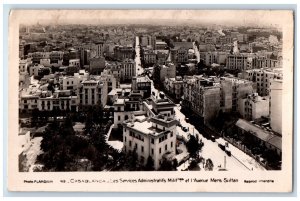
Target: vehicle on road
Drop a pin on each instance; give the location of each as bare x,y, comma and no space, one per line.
228,152
222,147
184,129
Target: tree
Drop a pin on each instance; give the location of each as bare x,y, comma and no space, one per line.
193,146
166,165
150,164
209,165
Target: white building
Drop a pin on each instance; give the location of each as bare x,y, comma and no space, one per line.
254,107
276,105
155,137
92,91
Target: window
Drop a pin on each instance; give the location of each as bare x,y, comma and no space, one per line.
129,143
119,118
125,138
160,150
142,148
171,134
171,144
152,151
136,146
152,141
166,147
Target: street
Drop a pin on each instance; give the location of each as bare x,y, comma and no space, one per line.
138,67
238,161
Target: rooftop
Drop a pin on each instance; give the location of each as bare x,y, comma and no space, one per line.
260,133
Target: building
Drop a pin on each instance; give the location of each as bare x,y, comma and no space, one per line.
123,52
262,78
128,70
160,45
149,57
142,84
202,96
262,136
254,107
91,92
126,106
167,71
155,137
239,61
174,86
276,105
60,100
97,65
179,55
233,89
100,48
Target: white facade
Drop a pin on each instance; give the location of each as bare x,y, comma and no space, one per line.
153,137
276,106
91,92
254,107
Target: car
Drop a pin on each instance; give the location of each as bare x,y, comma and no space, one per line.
222,147
184,129
187,119
228,152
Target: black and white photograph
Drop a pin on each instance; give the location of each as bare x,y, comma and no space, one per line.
179,92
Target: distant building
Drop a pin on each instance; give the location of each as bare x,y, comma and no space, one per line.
123,52
149,57
167,71
276,105
142,84
179,55
174,86
262,78
160,45
128,70
239,61
97,65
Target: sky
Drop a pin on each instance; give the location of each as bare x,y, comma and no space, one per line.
173,17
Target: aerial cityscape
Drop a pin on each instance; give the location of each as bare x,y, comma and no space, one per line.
149,97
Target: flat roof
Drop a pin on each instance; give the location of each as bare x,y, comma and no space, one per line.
260,133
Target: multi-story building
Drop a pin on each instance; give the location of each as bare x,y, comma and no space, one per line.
276,105
149,57
262,78
202,96
167,71
233,89
239,61
128,69
254,107
160,45
174,86
97,65
60,100
100,48
155,137
92,92
142,84
125,106
179,55
264,62
123,52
